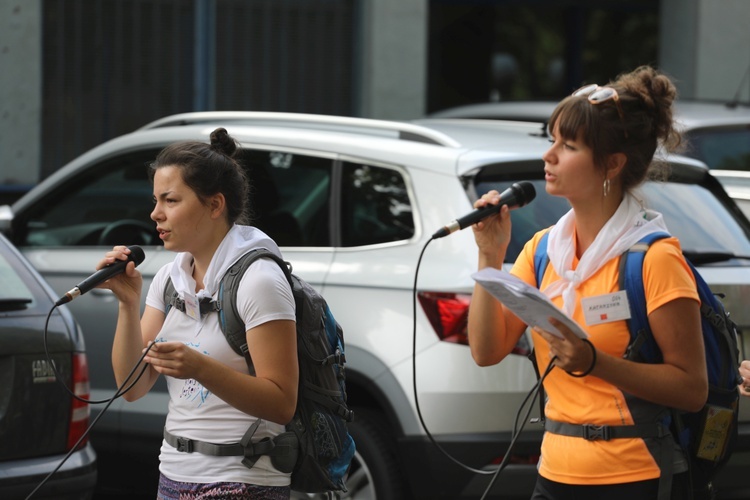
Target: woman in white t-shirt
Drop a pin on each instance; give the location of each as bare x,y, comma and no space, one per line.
200,194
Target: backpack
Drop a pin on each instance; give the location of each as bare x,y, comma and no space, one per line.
707,437
316,448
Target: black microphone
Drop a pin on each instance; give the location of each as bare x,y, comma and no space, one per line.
517,195
103,274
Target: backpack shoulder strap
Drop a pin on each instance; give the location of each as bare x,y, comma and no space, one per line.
170,296
642,345
541,259
229,316
172,299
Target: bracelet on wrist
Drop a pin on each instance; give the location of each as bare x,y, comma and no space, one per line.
593,361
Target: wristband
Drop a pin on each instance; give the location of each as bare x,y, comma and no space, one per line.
593,361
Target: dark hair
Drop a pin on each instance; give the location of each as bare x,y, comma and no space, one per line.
210,169
646,98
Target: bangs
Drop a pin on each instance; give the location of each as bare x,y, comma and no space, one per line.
573,119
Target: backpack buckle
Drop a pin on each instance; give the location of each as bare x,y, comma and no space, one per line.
593,432
184,445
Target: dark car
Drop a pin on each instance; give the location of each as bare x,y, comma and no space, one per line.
40,421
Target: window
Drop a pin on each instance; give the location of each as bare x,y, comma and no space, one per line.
106,204
375,206
14,294
289,196
725,148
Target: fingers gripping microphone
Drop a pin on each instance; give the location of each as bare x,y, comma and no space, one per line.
517,195
102,275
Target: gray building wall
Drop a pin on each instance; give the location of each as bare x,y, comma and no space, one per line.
394,83
704,44
20,91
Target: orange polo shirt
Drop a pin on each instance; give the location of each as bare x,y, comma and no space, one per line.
589,400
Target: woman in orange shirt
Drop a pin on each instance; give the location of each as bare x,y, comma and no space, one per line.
603,145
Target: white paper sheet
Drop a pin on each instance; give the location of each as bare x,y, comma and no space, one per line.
527,302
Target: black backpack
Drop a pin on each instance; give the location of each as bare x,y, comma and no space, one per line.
316,448
708,437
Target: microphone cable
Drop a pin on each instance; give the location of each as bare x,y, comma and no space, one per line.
533,394
118,393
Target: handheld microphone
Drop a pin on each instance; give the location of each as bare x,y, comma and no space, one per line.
517,195
103,274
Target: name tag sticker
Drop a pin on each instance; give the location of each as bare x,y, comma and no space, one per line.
606,308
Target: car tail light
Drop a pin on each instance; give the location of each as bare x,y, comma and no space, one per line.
79,411
448,314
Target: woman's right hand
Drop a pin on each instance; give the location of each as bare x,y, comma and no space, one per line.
492,234
127,285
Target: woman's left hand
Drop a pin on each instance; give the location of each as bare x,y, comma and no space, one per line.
572,353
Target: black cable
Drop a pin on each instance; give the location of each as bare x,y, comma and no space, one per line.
120,391
516,431
534,391
58,376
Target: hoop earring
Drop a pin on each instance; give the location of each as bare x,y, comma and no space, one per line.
605,187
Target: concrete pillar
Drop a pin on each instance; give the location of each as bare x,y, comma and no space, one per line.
394,55
705,46
20,91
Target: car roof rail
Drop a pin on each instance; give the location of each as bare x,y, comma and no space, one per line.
405,131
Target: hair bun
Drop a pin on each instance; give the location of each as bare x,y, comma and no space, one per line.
222,142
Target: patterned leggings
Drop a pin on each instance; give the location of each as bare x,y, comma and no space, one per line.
173,490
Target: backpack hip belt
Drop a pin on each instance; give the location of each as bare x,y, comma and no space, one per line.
282,449
592,432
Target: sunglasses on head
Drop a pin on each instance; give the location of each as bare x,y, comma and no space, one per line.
598,95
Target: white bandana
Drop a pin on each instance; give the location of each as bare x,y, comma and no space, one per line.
627,226
237,242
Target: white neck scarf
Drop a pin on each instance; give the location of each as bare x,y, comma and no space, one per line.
237,242
630,223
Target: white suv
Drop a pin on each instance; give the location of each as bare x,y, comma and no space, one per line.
354,204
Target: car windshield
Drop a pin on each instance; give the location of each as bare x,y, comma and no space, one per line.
692,213
725,148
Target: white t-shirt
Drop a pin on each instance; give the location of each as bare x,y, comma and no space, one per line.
194,412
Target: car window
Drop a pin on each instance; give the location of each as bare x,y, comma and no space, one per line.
106,204
111,202
13,291
20,292
692,214
375,205
721,148
290,199
290,196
